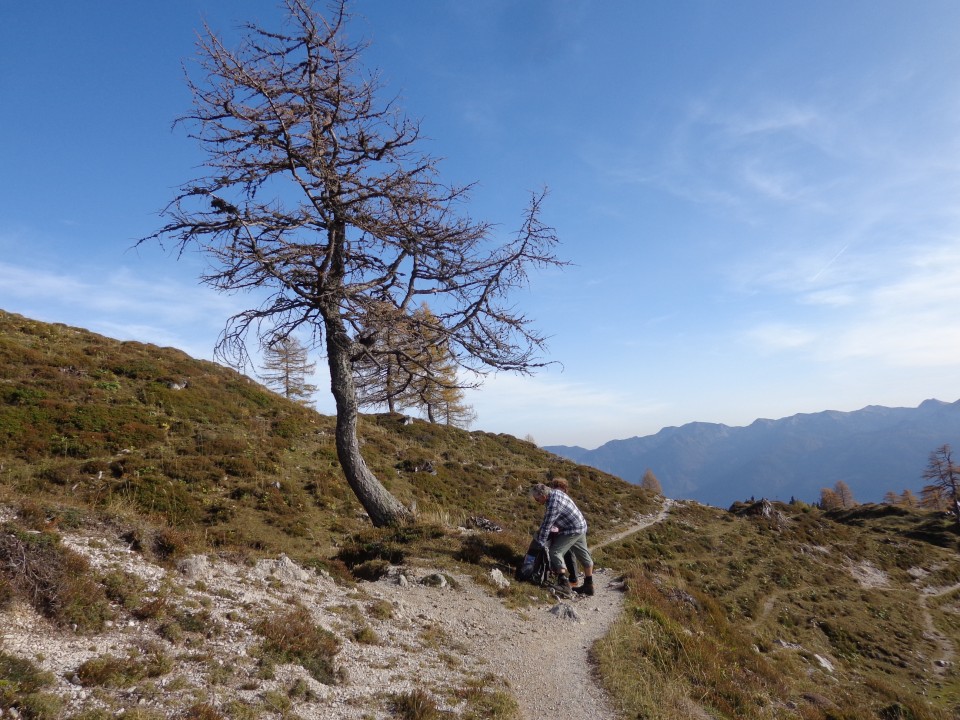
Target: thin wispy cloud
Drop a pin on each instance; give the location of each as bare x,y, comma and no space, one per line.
908,319
561,412
120,303
776,117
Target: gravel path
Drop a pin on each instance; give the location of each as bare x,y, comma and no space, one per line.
551,662
436,639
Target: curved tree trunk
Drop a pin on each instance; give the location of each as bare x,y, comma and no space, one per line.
382,507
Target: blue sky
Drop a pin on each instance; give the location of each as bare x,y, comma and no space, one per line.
760,201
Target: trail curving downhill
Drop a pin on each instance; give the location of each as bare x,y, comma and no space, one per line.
549,662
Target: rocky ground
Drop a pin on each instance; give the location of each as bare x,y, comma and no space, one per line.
445,633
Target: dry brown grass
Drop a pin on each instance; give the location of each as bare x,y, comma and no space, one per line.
52,578
293,637
732,615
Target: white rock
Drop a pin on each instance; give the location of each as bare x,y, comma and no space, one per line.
194,567
498,579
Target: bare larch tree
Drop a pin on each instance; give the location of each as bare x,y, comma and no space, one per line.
943,475
316,198
286,367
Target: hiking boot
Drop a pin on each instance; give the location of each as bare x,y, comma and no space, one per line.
586,588
562,587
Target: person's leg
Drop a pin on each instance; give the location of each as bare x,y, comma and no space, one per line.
558,548
571,564
582,553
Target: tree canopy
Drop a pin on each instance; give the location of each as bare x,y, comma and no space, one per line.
316,198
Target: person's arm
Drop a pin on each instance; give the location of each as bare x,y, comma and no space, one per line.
549,519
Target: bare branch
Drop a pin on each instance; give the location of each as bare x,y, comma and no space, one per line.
316,196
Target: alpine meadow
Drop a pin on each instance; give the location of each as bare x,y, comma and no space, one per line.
126,466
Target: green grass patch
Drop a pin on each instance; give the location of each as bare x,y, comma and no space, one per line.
141,662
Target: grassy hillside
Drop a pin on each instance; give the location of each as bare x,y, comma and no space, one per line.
210,458
791,613
764,611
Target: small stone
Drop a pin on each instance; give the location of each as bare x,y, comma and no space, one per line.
434,580
565,612
496,576
824,663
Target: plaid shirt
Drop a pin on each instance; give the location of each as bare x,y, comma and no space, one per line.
562,513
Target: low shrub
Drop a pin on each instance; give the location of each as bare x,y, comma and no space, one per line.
475,548
20,684
485,702
371,570
146,661
380,609
415,705
293,637
55,580
124,588
358,552
202,711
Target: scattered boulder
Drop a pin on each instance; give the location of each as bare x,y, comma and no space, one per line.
824,663
419,465
563,611
762,508
436,580
482,523
682,596
195,567
283,569
619,583
498,579
819,701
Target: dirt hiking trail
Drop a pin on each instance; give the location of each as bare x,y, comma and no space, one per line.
434,638
548,661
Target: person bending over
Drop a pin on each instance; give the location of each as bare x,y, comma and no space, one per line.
562,513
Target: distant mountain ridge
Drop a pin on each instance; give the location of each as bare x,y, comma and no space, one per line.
873,450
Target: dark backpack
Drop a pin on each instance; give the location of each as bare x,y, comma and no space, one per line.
535,566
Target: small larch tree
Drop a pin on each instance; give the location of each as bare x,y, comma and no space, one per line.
650,483
440,393
908,499
286,367
399,374
829,500
943,488
316,198
844,494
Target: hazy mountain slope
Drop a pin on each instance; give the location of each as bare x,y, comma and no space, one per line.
873,450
